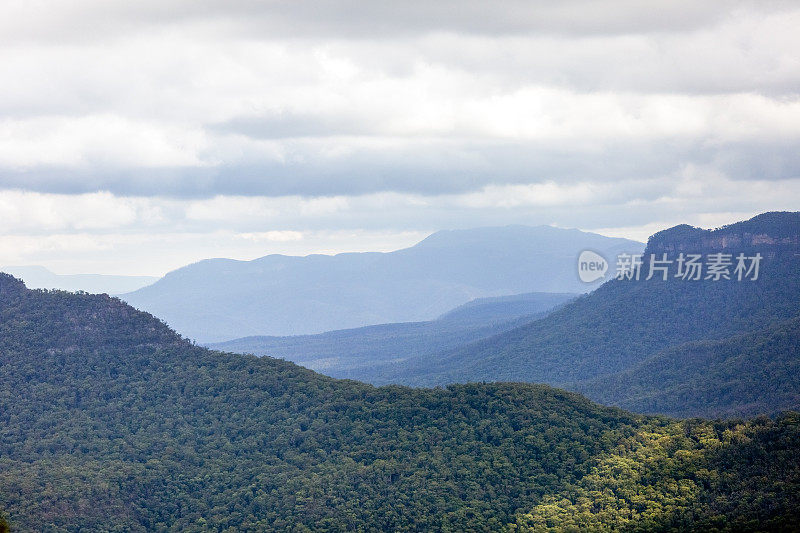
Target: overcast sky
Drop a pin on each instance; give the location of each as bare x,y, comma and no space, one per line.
136,137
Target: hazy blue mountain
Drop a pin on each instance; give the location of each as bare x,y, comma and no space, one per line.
624,322
744,375
361,353
38,277
221,299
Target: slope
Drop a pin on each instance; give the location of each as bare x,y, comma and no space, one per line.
744,375
685,476
108,419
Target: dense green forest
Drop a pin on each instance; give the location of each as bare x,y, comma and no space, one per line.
110,422
109,419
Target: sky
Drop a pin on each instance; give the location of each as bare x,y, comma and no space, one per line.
137,137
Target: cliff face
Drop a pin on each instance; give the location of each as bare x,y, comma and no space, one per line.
768,233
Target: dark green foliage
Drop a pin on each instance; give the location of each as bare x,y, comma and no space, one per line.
623,322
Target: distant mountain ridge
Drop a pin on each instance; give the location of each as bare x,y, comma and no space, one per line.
222,299
499,308
39,277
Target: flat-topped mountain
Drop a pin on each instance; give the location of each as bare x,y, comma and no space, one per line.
765,231
221,299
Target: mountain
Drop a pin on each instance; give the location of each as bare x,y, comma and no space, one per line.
624,322
109,421
38,277
361,353
222,299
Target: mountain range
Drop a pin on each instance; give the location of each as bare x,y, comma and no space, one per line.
635,331
683,347
222,299
109,421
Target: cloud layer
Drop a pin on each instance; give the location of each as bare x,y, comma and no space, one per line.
391,117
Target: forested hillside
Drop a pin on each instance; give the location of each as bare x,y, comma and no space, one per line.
109,421
745,375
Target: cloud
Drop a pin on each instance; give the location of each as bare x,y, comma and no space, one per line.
210,127
290,125
581,204
172,114
102,232
434,167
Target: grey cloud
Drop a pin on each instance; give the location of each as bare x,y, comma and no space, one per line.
762,160
438,168
386,17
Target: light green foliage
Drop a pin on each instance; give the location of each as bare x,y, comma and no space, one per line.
681,476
